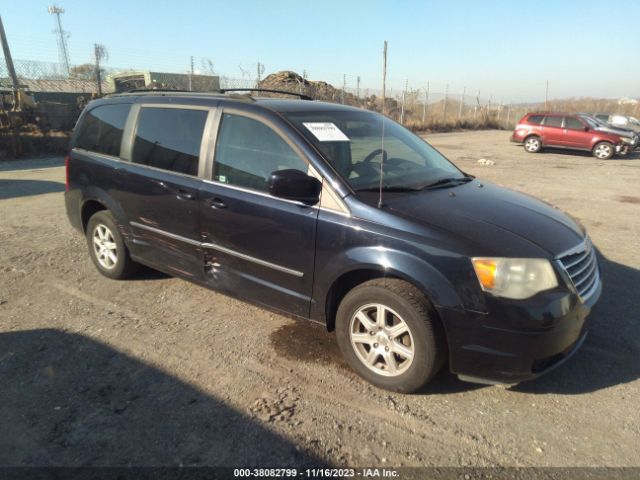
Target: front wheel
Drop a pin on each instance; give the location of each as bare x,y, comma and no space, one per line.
106,247
603,150
388,336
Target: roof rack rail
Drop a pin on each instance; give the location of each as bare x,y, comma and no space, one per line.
161,90
268,90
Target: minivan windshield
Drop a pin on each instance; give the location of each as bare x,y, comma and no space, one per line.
353,142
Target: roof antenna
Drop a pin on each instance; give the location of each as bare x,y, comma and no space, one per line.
384,86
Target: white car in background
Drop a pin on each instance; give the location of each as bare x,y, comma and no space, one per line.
615,120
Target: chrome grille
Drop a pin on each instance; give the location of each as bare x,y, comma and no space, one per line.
581,265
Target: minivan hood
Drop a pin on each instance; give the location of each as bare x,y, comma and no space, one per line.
622,132
483,213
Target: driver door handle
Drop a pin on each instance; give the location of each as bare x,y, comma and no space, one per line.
185,195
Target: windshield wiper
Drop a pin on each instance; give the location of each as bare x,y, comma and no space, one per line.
445,182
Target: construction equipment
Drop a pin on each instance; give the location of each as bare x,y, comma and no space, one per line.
19,101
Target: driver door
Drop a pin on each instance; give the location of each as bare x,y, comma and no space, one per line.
257,246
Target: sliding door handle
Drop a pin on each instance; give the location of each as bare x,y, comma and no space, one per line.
216,203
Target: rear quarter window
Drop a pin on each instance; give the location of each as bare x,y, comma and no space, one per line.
535,119
101,129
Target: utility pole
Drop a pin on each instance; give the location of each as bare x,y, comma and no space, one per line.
464,92
344,85
384,75
475,108
426,102
63,51
259,72
446,100
404,94
191,75
304,82
546,96
358,87
99,52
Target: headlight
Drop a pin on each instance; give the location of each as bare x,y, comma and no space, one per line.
516,278
626,139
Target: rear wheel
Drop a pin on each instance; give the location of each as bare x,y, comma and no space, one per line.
532,144
388,336
106,247
603,150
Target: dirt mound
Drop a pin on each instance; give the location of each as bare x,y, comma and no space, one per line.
319,90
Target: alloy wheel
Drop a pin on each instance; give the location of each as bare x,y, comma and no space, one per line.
603,151
382,340
104,246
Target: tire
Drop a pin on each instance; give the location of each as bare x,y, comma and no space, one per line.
603,150
532,144
106,247
373,353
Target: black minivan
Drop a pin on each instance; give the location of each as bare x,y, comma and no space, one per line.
337,215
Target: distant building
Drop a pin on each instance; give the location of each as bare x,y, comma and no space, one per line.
145,79
628,101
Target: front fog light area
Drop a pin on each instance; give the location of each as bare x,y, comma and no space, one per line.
516,278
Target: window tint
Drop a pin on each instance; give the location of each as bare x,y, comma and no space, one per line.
248,151
552,121
169,138
573,123
535,119
101,129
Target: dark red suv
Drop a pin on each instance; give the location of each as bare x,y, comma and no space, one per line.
564,130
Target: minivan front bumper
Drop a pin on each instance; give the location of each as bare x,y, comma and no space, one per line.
516,341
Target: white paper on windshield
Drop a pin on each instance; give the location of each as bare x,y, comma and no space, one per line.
326,131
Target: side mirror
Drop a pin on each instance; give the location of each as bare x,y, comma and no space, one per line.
295,185
586,129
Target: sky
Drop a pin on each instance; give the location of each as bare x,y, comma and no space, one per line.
507,50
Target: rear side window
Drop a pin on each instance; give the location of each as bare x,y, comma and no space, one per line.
102,127
573,123
169,138
248,151
535,119
552,121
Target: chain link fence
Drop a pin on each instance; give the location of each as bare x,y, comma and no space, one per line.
55,96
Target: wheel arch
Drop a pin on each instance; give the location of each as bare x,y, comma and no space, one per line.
429,281
533,134
90,208
97,199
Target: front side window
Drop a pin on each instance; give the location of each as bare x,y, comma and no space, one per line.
248,151
573,123
102,127
361,144
553,121
169,138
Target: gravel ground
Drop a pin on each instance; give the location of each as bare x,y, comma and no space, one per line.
158,371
